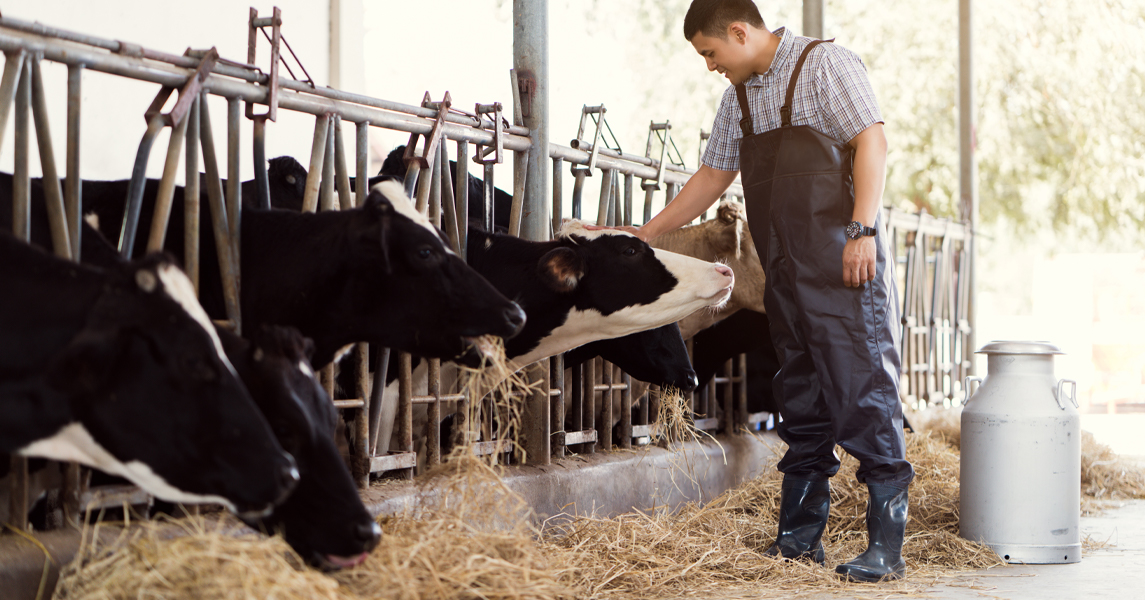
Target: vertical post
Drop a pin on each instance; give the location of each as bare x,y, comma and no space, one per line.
166,194
461,193
558,207
968,165
21,181
604,209
228,264
433,430
53,193
261,182
317,155
360,452
345,200
234,191
191,198
326,191
13,67
531,64
628,186
72,195
557,425
536,417
813,18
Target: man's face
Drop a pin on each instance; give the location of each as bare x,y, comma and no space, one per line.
728,57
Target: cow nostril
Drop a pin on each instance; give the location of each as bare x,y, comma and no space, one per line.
370,534
515,317
288,476
691,382
724,270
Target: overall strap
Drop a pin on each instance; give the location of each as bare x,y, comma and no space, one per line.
745,124
785,110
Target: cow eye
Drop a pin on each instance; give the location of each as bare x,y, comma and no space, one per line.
630,251
425,253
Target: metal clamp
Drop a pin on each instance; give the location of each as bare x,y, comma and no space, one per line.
1072,394
497,147
253,26
187,95
597,113
434,136
966,381
663,132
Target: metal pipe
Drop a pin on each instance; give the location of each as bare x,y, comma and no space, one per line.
326,190
448,202
53,193
487,194
579,174
603,209
649,195
558,208
360,451
13,66
531,62
191,215
228,265
535,420
604,419
376,392
813,19
341,174
317,155
968,164
557,416
434,207
261,180
629,183
234,177
165,196
634,158
644,172
135,188
461,187
520,178
433,431
73,190
361,162
424,183
21,182
404,429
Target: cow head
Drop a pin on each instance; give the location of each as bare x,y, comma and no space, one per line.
656,355
431,302
287,180
153,399
619,285
324,519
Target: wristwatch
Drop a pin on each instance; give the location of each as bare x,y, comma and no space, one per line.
856,230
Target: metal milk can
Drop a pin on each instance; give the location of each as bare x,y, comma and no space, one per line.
1021,457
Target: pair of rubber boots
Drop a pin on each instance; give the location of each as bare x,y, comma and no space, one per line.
803,510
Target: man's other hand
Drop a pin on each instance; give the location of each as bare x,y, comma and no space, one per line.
859,261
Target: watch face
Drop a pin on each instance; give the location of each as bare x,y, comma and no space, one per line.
854,230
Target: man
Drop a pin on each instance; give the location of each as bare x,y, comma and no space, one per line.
813,159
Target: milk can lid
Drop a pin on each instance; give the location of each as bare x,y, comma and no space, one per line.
1020,347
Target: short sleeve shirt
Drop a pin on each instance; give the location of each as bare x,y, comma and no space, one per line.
832,95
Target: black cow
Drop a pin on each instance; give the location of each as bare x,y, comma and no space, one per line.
122,371
747,331
324,520
394,167
656,356
378,273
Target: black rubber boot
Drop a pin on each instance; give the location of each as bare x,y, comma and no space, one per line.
886,526
803,510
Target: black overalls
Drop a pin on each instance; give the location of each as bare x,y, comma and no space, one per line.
838,346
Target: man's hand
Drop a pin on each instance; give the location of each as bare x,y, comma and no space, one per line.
859,261
636,231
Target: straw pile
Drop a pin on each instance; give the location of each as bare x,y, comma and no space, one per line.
501,382
475,540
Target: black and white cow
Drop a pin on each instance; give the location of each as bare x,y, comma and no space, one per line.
324,519
657,356
394,167
121,370
379,273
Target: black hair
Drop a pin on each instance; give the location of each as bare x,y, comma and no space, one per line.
712,17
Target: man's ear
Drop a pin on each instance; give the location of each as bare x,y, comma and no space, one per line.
86,364
561,269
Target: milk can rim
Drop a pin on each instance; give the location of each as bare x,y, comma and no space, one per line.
1019,347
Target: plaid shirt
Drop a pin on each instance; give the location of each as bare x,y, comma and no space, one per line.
833,95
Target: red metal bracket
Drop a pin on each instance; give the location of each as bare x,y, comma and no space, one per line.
187,95
497,147
254,24
433,138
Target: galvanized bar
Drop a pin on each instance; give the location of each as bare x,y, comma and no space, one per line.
576,400
604,422
605,151
317,157
557,414
588,404
377,415
730,422
558,191
434,200
448,202
487,191
649,193
73,196
135,188
261,180
327,380
629,182
535,420
53,193
433,433
191,212
404,429
228,264
234,178
531,64
360,450
813,19
13,66
741,395
361,163
604,208
617,217
968,163
424,184
461,193
626,411
579,174
166,193
21,181
341,173
326,189
520,169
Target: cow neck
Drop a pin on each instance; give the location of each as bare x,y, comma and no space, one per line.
688,241
509,263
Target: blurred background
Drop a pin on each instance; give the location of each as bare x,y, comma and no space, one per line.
1060,136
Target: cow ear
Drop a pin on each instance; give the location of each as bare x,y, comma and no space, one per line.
561,269
729,212
86,363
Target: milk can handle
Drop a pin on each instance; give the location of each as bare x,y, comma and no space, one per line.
1072,393
966,386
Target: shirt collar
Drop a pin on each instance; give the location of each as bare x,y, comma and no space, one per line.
782,54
